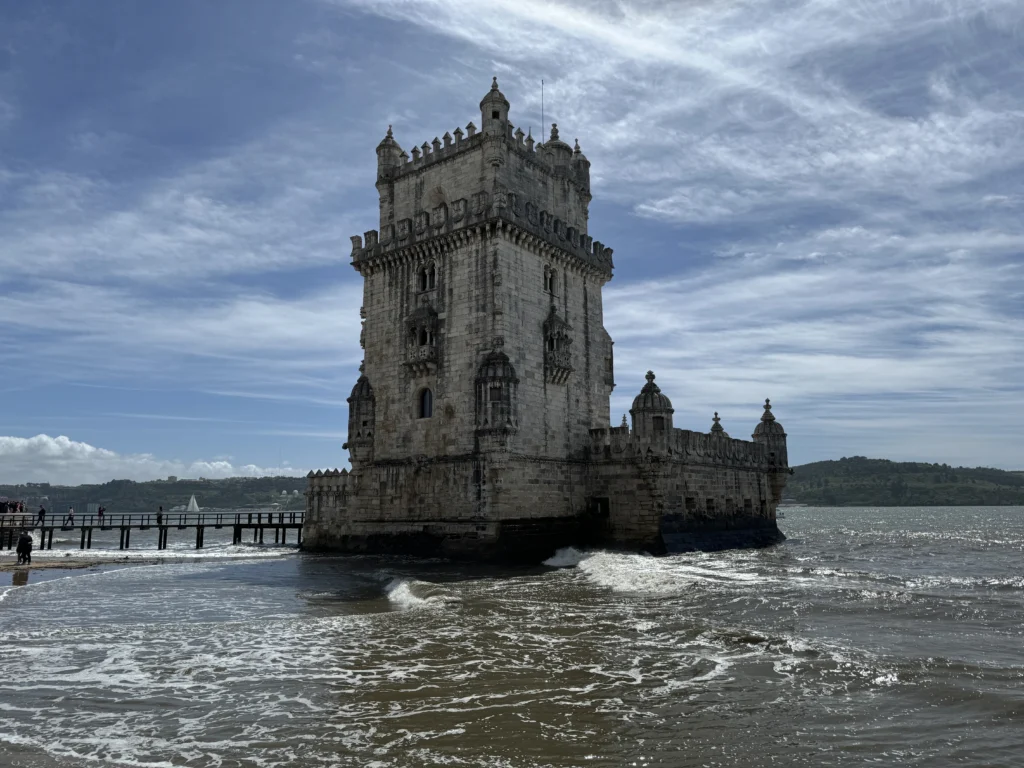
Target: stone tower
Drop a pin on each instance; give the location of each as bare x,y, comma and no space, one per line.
475,426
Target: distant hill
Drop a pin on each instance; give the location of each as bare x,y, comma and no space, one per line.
124,496
857,481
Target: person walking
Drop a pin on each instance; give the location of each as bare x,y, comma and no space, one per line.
41,515
24,548
71,517
100,512
160,515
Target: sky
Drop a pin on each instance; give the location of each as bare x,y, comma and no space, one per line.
816,201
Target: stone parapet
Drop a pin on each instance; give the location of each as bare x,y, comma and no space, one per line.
532,228
682,445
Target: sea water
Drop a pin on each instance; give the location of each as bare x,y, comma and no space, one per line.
870,637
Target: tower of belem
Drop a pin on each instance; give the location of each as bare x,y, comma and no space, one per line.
479,425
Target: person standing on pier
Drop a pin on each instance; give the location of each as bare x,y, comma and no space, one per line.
41,516
100,512
160,515
71,517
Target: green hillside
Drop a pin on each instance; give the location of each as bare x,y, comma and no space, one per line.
857,481
124,496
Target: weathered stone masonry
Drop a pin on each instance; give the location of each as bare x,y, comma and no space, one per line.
479,425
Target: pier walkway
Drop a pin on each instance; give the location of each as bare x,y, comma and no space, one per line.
256,521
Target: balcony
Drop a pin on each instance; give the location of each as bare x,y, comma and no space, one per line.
422,361
558,365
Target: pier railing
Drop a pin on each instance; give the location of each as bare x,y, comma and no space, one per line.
239,520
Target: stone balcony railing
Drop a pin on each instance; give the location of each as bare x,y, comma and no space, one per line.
422,360
558,365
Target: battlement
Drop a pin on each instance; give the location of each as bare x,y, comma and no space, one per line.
330,480
430,153
470,214
554,156
621,443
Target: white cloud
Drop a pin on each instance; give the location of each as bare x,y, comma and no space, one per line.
61,460
256,343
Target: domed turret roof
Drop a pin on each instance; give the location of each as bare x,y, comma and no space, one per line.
494,95
556,143
497,366
768,425
362,390
717,428
650,398
388,141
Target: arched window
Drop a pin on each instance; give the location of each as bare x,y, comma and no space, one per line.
428,278
550,280
426,404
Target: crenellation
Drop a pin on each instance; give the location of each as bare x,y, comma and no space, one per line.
480,424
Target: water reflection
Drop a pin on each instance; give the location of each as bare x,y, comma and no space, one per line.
20,578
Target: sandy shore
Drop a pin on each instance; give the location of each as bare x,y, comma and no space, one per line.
70,563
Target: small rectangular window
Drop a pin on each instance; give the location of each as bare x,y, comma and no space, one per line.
748,506
495,394
658,423
691,504
710,506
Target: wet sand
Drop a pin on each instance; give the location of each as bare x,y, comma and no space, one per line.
71,562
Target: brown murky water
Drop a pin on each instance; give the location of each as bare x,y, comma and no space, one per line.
887,637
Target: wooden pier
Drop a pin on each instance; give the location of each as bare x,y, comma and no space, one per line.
240,522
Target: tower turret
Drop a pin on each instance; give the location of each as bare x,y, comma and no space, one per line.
652,412
361,422
559,153
494,111
389,156
581,168
771,433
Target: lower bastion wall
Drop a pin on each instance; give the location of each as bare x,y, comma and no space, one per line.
681,492
484,505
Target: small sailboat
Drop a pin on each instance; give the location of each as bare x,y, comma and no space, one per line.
192,506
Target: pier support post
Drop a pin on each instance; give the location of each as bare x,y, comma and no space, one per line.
199,537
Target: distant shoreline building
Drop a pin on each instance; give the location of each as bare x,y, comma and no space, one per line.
479,426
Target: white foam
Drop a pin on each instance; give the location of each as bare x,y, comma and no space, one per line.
402,593
567,557
623,572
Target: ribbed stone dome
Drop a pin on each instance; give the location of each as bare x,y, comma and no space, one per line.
497,366
768,426
650,398
494,96
362,390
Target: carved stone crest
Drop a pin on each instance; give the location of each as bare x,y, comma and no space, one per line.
404,228
459,209
421,222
